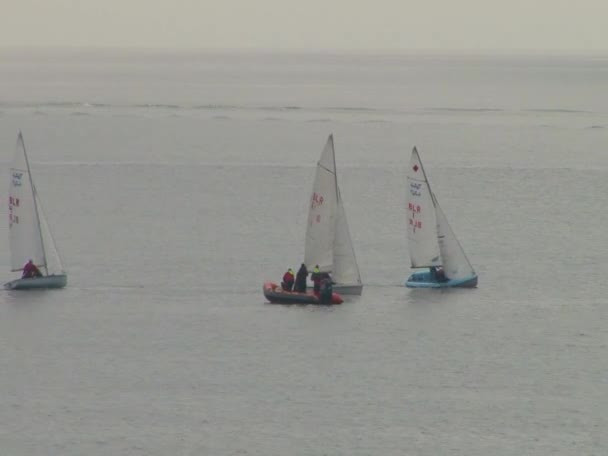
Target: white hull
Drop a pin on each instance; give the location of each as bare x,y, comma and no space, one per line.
353,290
52,281
350,290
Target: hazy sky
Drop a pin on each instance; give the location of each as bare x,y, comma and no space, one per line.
527,25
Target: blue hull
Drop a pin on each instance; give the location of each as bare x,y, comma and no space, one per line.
422,279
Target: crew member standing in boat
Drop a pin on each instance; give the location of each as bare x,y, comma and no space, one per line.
316,279
301,276
288,279
326,288
30,270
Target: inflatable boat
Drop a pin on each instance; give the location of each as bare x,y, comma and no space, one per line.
276,295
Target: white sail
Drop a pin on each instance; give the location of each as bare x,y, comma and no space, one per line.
345,269
320,231
53,259
456,265
421,219
24,225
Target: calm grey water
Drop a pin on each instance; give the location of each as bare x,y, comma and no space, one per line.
176,184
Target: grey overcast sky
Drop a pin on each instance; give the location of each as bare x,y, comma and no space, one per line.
509,25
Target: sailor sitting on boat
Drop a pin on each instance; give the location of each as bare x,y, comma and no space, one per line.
30,270
438,274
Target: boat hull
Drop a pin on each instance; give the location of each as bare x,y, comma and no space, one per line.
422,279
344,289
276,295
51,281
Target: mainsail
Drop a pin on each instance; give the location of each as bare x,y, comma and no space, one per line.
29,233
421,222
319,247
24,222
328,241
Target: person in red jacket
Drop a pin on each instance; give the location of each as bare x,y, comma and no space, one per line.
288,279
30,270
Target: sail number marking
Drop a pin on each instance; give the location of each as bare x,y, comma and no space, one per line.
12,218
316,200
415,209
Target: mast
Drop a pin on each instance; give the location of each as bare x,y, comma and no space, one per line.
333,152
29,173
341,216
426,179
424,246
433,199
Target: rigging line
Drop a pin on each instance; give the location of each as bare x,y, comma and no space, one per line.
326,169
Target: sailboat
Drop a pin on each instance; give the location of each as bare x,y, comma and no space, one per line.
328,242
29,233
432,243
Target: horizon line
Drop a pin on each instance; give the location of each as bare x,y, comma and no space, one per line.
299,50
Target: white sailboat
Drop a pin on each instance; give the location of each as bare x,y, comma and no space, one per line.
29,233
328,241
432,243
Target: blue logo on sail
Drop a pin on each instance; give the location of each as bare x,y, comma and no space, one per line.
17,179
415,188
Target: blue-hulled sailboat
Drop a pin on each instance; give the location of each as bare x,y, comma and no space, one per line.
432,243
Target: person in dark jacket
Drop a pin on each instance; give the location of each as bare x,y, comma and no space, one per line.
440,274
301,277
326,289
288,279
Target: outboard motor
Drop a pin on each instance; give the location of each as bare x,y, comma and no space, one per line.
326,291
